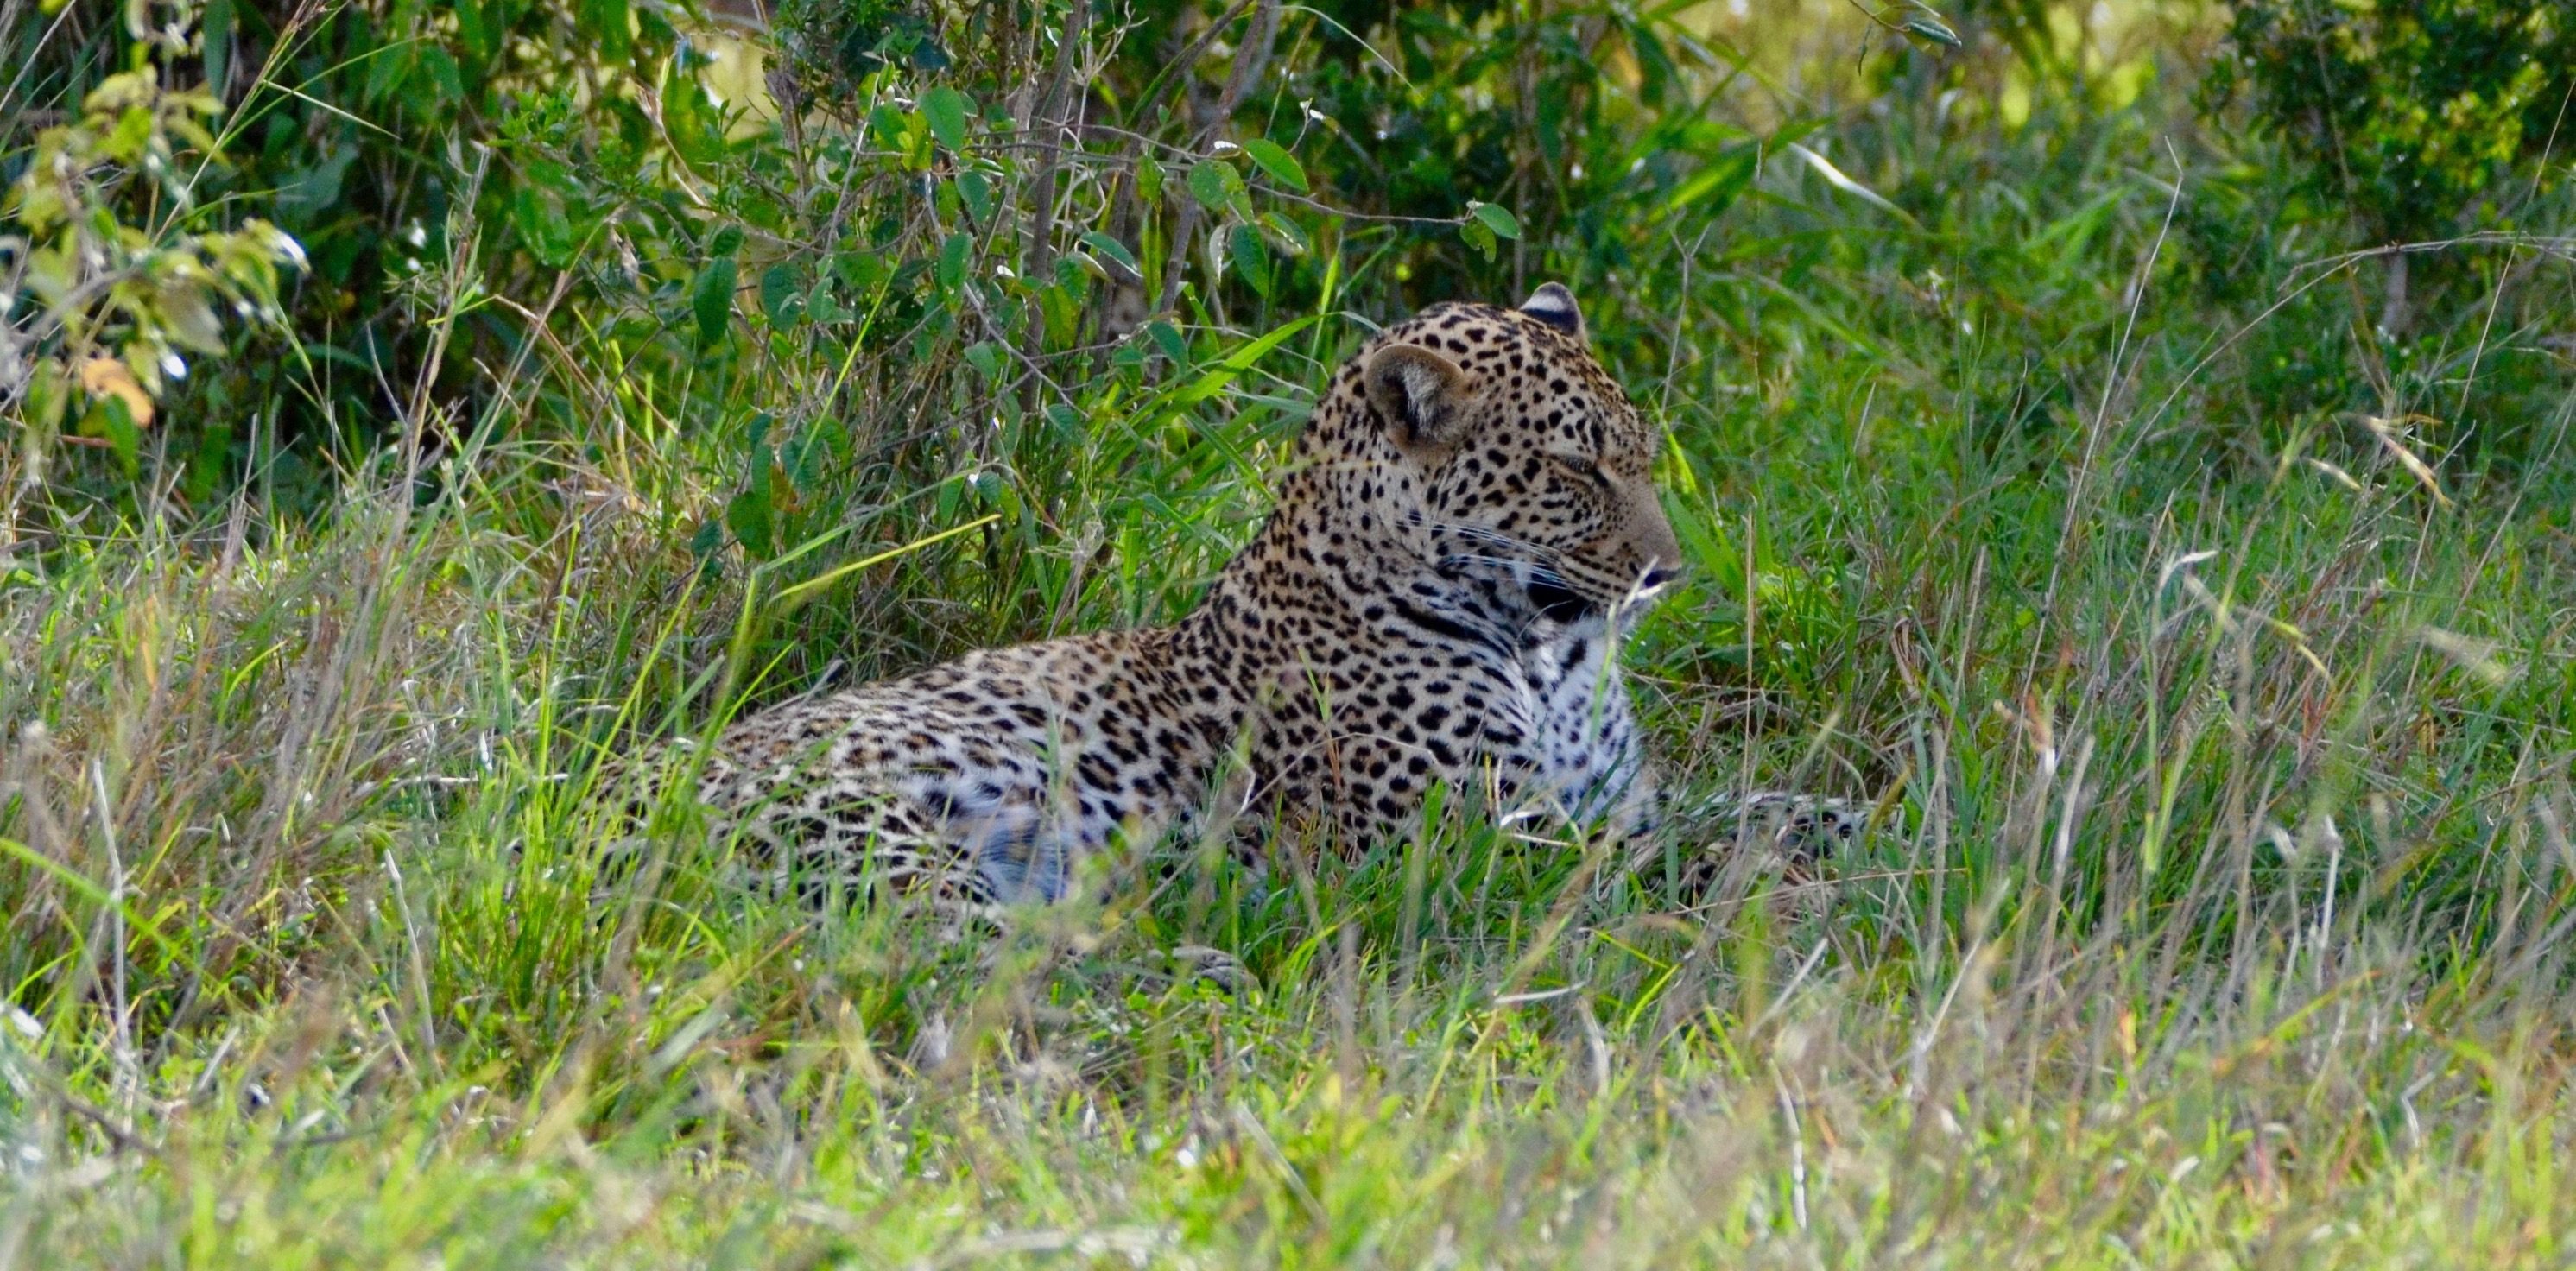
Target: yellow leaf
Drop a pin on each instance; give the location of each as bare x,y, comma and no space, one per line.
192,321
117,93
104,376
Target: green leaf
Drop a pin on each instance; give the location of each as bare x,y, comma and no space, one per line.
1114,250
749,515
1930,28
49,395
778,296
859,271
122,435
947,109
693,121
954,257
1478,235
823,306
711,299
1281,165
604,21
474,29
133,131
1149,180
1213,182
1251,258
1496,217
1295,239
918,144
540,215
1656,73
977,192
444,75
218,27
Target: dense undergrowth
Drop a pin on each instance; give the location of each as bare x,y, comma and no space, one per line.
2053,477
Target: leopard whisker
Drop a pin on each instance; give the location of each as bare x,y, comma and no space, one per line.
1484,534
1538,572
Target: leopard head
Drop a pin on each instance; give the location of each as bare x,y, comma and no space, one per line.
1493,445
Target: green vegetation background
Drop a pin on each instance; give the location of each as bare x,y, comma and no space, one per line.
2123,444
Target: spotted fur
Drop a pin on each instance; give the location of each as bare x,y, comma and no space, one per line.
1436,599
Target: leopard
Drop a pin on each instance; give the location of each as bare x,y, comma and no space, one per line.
1462,532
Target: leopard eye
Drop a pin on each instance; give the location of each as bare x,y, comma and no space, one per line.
1586,469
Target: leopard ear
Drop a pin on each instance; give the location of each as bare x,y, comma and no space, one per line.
1554,305
1420,398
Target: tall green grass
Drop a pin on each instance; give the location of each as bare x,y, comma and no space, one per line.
2217,915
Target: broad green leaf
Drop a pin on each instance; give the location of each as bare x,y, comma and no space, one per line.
1114,250
947,109
540,215
444,74
823,306
1281,165
1478,235
749,515
1295,239
1213,183
1496,218
977,191
1251,258
778,295
859,271
919,145
711,298
954,256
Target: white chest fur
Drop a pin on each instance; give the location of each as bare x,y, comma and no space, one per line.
1584,744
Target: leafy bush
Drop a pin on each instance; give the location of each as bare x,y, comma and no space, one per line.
105,236
354,129
2408,114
